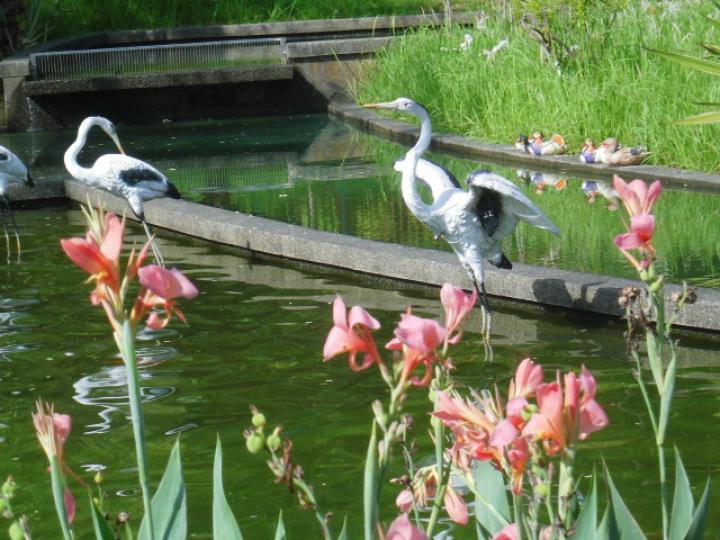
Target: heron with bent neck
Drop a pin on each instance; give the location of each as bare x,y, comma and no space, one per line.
473,222
122,175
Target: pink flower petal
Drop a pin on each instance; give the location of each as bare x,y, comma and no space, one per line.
508,533
504,434
455,506
628,241
113,239
339,312
359,316
69,505
402,529
404,500
166,283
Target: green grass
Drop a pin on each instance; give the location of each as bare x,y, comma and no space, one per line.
616,89
69,17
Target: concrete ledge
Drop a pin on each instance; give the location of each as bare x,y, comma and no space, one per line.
404,132
162,80
548,286
336,47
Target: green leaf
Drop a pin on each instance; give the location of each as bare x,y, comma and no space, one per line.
225,526
625,523
666,397
102,528
169,505
280,533
683,506
343,532
713,49
697,526
704,118
492,510
587,520
607,524
698,64
370,485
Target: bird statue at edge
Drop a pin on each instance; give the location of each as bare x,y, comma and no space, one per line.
12,170
473,222
122,175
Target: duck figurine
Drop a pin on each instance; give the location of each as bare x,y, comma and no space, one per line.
611,152
555,146
544,181
523,144
587,152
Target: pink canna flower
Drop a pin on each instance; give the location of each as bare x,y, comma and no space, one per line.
642,229
352,333
402,529
636,196
418,339
564,417
52,430
457,306
511,532
404,500
528,376
455,506
159,287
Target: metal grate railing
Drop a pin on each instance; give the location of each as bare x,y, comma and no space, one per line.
142,59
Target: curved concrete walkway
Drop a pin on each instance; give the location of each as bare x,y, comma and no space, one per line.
403,132
537,284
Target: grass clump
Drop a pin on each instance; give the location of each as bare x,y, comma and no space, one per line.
612,86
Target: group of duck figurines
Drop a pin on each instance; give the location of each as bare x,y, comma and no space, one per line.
610,151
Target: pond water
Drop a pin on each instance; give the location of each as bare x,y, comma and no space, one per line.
255,335
313,171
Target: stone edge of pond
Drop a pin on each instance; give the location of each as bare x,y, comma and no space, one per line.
368,120
526,283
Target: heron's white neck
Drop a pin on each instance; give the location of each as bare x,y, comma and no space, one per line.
71,154
423,143
408,186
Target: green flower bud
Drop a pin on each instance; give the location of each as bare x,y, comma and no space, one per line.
274,440
9,487
16,531
541,490
255,442
98,478
258,420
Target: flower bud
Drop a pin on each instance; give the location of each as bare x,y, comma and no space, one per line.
528,411
16,531
274,440
258,420
9,487
541,490
98,478
255,442
655,286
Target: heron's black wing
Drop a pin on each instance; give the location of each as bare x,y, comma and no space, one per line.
4,156
488,210
136,175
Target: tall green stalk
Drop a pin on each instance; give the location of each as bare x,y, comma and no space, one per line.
127,350
58,489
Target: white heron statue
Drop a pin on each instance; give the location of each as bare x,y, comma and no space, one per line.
473,222
12,170
124,176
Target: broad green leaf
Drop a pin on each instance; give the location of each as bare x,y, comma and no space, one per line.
169,505
698,64
587,520
697,527
102,528
225,526
654,361
603,530
626,525
683,506
703,118
343,533
667,395
492,510
714,49
280,531
370,485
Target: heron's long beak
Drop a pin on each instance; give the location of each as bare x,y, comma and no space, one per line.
117,143
383,105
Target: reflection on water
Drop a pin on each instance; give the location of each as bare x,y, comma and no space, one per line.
315,172
255,336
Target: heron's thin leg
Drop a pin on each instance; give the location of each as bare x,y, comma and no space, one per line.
156,251
15,227
3,219
486,314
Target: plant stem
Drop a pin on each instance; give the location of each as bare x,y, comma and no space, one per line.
439,497
518,511
327,535
663,490
58,489
138,422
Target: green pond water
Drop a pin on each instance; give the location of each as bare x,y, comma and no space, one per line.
254,336
256,331
313,171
